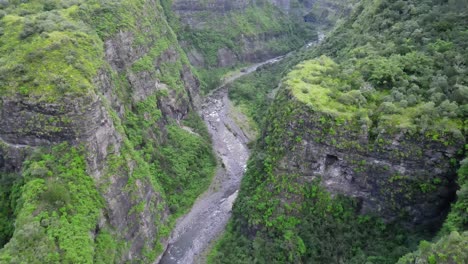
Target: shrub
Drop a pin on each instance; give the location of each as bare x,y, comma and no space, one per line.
56,195
29,29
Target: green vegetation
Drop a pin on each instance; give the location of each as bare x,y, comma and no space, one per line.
10,189
453,241
341,92
326,13
449,249
323,230
57,54
106,248
414,53
62,49
457,219
182,163
317,83
187,166
254,92
393,68
57,211
51,52
227,31
261,22
281,218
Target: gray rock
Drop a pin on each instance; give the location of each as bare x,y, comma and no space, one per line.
408,178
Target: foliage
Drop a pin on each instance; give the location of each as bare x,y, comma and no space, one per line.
182,163
194,121
341,92
457,220
106,248
281,218
57,54
57,211
10,189
257,22
186,168
397,67
51,51
413,51
227,31
449,249
255,91
451,245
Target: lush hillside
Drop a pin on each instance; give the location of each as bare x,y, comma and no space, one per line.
362,145
100,146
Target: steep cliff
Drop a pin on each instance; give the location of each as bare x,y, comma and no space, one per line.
100,144
250,31
453,238
362,147
229,32
219,35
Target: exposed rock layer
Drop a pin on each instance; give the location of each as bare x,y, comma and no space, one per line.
401,177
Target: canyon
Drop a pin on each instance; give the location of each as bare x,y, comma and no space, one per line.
126,129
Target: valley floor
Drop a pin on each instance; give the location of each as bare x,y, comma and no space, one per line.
211,212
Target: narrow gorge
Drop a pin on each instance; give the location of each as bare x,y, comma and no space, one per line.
209,215
246,131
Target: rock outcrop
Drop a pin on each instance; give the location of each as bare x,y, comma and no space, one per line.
143,77
398,177
225,33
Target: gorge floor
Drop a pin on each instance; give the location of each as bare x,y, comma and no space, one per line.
209,215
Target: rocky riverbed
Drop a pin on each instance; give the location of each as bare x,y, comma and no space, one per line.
211,212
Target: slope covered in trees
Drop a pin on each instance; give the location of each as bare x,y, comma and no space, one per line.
100,147
395,76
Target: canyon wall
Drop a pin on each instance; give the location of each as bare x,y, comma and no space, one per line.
109,85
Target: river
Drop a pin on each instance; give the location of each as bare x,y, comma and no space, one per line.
212,210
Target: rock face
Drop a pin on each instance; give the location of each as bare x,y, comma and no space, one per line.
121,54
398,177
252,31
95,119
190,11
